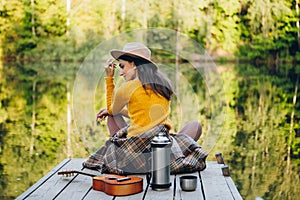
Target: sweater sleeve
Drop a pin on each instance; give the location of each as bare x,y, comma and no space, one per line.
116,100
110,86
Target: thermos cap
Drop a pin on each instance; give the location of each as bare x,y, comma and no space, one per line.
161,138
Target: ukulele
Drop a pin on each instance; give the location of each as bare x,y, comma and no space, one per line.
113,184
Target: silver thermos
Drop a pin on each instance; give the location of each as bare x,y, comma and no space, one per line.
160,162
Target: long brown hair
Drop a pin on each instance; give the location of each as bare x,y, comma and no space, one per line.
151,77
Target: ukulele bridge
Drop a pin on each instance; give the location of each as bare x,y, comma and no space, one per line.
123,179
118,179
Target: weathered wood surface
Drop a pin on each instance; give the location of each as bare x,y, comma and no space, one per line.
211,185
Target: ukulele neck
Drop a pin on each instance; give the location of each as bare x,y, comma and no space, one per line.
87,174
76,172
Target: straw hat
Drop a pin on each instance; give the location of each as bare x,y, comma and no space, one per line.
133,49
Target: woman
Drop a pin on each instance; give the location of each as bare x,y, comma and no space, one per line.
147,93
145,99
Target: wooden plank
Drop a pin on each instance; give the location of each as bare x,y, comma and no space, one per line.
34,187
163,195
94,194
55,184
234,191
79,187
214,183
184,195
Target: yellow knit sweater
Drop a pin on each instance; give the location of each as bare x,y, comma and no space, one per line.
144,108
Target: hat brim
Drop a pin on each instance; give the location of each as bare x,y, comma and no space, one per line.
117,53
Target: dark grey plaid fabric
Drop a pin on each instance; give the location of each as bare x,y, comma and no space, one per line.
133,155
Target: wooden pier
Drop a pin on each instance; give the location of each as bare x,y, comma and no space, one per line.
213,183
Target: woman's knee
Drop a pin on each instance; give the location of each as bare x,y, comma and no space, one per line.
192,129
198,129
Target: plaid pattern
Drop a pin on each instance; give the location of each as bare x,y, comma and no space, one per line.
133,155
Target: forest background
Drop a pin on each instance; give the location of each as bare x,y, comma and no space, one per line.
255,44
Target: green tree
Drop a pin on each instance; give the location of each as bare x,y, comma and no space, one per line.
268,29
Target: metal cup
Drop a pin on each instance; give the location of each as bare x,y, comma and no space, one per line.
188,183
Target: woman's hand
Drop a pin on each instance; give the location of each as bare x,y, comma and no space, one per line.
110,68
102,114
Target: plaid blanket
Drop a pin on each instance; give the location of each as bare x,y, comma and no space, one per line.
133,155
